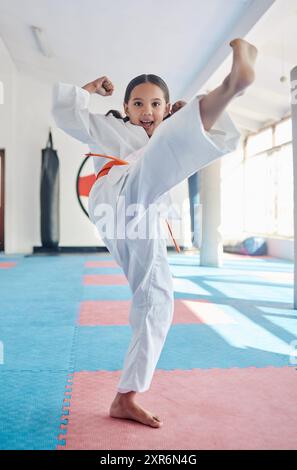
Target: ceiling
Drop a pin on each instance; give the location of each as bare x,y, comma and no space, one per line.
268,100
186,43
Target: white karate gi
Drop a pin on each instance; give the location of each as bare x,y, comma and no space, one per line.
178,148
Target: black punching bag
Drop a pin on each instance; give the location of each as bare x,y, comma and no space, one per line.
49,197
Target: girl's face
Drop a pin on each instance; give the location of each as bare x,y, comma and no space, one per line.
147,107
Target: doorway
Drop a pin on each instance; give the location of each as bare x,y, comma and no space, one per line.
2,200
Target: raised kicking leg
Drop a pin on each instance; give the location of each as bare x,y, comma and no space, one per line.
241,76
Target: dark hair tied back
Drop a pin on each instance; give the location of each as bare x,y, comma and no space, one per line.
117,114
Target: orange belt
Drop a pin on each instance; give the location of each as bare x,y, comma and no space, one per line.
117,161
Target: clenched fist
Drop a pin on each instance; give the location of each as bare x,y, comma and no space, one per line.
102,86
177,106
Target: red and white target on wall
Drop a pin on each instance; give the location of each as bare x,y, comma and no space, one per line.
84,182
86,177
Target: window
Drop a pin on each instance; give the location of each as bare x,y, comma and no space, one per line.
259,143
283,132
284,191
268,182
259,195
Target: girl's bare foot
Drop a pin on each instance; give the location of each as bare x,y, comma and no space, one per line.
241,76
124,407
242,73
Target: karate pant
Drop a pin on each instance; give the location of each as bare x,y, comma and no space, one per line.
178,148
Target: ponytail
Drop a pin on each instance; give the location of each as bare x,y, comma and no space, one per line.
117,115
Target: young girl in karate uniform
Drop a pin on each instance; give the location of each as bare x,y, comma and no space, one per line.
161,150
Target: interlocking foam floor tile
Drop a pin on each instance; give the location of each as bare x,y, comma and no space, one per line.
288,323
42,278
104,312
187,286
201,409
101,347
113,312
277,277
200,311
243,268
101,264
30,409
105,279
186,346
107,292
39,302
7,264
103,271
34,312
36,348
252,291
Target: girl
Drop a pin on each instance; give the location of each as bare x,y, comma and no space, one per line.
160,154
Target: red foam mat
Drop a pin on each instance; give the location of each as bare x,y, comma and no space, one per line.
116,312
104,279
101,264
7,264
201,409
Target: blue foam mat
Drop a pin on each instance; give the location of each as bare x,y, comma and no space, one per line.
39,303
107,270
186,347
32,312
30,409
34,347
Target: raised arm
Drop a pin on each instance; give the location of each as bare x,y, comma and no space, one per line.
70,107
102,86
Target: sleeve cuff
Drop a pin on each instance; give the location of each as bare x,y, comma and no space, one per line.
69,94
223,134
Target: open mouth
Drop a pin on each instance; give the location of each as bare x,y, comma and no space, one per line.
146,124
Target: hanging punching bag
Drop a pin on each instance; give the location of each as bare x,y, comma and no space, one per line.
49,196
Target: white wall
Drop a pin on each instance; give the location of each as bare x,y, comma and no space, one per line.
281,248
9,79
25,118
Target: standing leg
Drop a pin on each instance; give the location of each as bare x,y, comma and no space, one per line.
146,267
144,262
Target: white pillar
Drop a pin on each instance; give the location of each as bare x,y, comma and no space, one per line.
294,129
211,252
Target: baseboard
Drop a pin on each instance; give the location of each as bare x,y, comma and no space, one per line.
69,249
41,250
